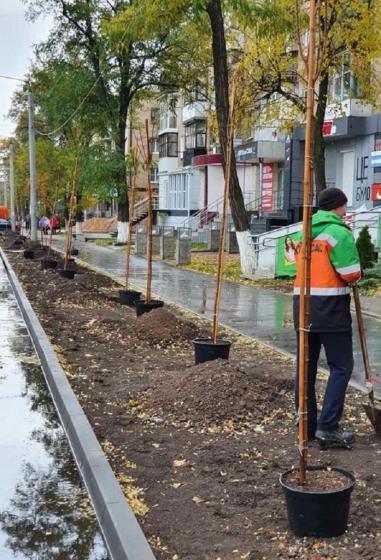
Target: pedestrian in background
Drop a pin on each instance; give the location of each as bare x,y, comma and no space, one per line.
335,265
44,224
54,224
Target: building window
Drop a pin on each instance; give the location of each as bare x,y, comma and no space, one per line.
154,177
155,116
176,189
168,118
168,145
344,84
200,95
154,145
195,135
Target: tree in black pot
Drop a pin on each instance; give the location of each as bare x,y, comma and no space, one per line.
67,272
143,306
317,497
128,296
207,349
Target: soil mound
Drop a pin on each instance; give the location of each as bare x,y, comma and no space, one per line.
217,395
160,327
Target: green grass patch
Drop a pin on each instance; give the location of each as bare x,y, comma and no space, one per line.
199,246
102,242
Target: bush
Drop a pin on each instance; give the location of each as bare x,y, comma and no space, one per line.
365,248
374,272
369,283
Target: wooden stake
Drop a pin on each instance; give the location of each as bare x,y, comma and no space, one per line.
71,211
305,262
54,213
149,232
134,163
224,215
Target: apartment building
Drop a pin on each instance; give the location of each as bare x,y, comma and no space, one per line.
352,134
191,179
270,163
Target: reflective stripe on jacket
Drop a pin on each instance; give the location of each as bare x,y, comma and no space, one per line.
335,263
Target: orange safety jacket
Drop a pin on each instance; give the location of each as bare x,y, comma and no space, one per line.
335,263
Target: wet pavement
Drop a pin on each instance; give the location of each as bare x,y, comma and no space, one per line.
45,513
257,313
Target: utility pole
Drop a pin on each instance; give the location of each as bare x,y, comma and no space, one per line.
12,188
32,165
4,177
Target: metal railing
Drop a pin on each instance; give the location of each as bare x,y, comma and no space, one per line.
141,207
209,213
204,216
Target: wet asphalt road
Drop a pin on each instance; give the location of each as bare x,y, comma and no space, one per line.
44,510
254,312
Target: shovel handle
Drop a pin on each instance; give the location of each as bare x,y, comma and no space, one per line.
360,323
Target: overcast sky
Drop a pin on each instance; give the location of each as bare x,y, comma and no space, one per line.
16,39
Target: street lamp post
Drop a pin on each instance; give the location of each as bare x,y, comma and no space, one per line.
5,201
32,166
12,188
32,162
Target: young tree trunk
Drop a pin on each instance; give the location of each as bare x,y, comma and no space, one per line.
221,82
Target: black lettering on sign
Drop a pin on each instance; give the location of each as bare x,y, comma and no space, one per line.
362,168
362,193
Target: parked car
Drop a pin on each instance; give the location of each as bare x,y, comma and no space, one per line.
5,224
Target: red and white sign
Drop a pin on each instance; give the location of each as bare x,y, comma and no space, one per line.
376,191
327,128
267,186
348,220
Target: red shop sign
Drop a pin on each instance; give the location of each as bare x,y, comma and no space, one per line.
327,128
376,191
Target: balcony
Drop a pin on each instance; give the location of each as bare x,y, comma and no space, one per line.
348,108
194,111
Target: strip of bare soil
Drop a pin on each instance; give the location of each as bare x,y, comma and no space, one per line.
198,449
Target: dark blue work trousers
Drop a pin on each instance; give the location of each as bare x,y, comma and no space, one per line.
339,352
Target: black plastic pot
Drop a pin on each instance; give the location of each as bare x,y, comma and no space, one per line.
206,350
48,263
128,297
142,306
70,263
28,254
74,252
318,514
66,273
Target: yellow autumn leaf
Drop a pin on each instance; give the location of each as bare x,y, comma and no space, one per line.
180,463
197,500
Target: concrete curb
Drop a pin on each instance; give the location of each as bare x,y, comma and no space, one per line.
124,538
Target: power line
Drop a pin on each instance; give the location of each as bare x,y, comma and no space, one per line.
15,79
75,112
83,101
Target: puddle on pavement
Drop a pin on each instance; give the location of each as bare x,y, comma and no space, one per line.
45,513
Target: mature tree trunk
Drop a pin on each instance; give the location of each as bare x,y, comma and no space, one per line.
121,184
319,143
117,118
221,84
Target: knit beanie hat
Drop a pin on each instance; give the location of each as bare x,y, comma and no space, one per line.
331,198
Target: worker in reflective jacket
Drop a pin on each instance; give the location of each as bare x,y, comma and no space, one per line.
335,265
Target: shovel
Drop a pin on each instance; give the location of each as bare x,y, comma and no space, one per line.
373,411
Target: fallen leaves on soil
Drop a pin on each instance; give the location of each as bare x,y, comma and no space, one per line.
198,449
